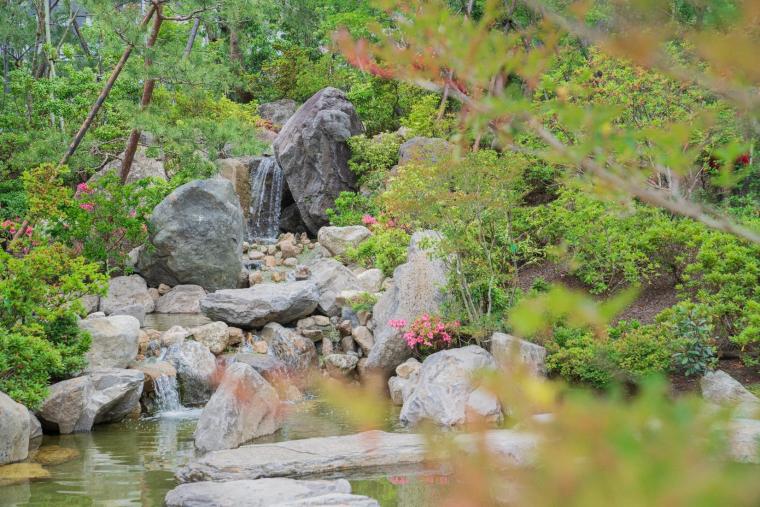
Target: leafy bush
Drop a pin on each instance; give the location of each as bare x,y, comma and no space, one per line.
422,119
694,348
26,363
577,356
386,249
349,209
639,351
371,158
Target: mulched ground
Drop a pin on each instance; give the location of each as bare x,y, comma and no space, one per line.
748,376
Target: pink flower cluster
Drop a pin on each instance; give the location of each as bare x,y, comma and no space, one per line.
369,220
83,188
87,206
12,227
427,333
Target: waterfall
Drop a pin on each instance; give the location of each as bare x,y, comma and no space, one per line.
266,200
167,395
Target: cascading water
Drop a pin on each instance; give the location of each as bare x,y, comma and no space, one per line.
266,200
167,395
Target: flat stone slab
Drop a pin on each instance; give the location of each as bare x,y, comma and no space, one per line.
361,454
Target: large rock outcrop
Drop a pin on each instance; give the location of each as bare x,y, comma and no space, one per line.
114,341
14,430
262,303
243,407
312,151
77,404
238,172
197,237
445,393
418,288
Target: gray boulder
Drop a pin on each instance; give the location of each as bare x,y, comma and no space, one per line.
214,335
243,407
114,341
126,291
340,366
506,349
262,303
722,389
14,430
424,150
332,278
279,111
196,367
143,167
258,493
445,393
297,352
271,368
312,151
181,299
372,279
197,237
418,288
75,405
337,240
136,311
35,428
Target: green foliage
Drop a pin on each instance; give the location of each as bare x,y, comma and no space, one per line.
349,209
422,119
372,158
363,302
577,356
26,363
694,348
639,351
386,249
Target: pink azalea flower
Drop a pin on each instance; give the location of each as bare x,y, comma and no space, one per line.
87,206
369,220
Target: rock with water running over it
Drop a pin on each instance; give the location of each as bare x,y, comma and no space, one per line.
262,303
197,235
312,151
181,299
297,352
332,278
418,288
115,341
196,367
444,391
243,407
273,492
337,240
14,430
75,405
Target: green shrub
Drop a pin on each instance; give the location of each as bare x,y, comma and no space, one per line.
422,119
386,249
639,351
577,356
690,330
26,363
364,302
372,158
349,209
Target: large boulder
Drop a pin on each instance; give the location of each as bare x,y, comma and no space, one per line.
114,341
445,392
243,407
197,237
273,492
312,151
507,350
722,389
418,288
332,278
262,303
181,299
337,240
14,430
76,404
196,368
424,150
125,291
297,352
279,111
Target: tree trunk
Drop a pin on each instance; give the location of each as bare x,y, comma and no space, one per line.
103,94
191,39
82,42
150,83
6,83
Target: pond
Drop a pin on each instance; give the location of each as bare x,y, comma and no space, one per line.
132,463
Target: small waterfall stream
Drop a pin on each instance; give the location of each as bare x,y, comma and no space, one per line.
167,394
266,201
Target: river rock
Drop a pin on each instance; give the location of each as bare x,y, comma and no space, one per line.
418,288
243,407
214,335
126,291
361,453
371,279
273,492
197,237
297,352
444,392
722,389
262,303
196,367
533,356
115,341
338,240
312,151
279,111
332,278
75,405
424,150
181,299
14,430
